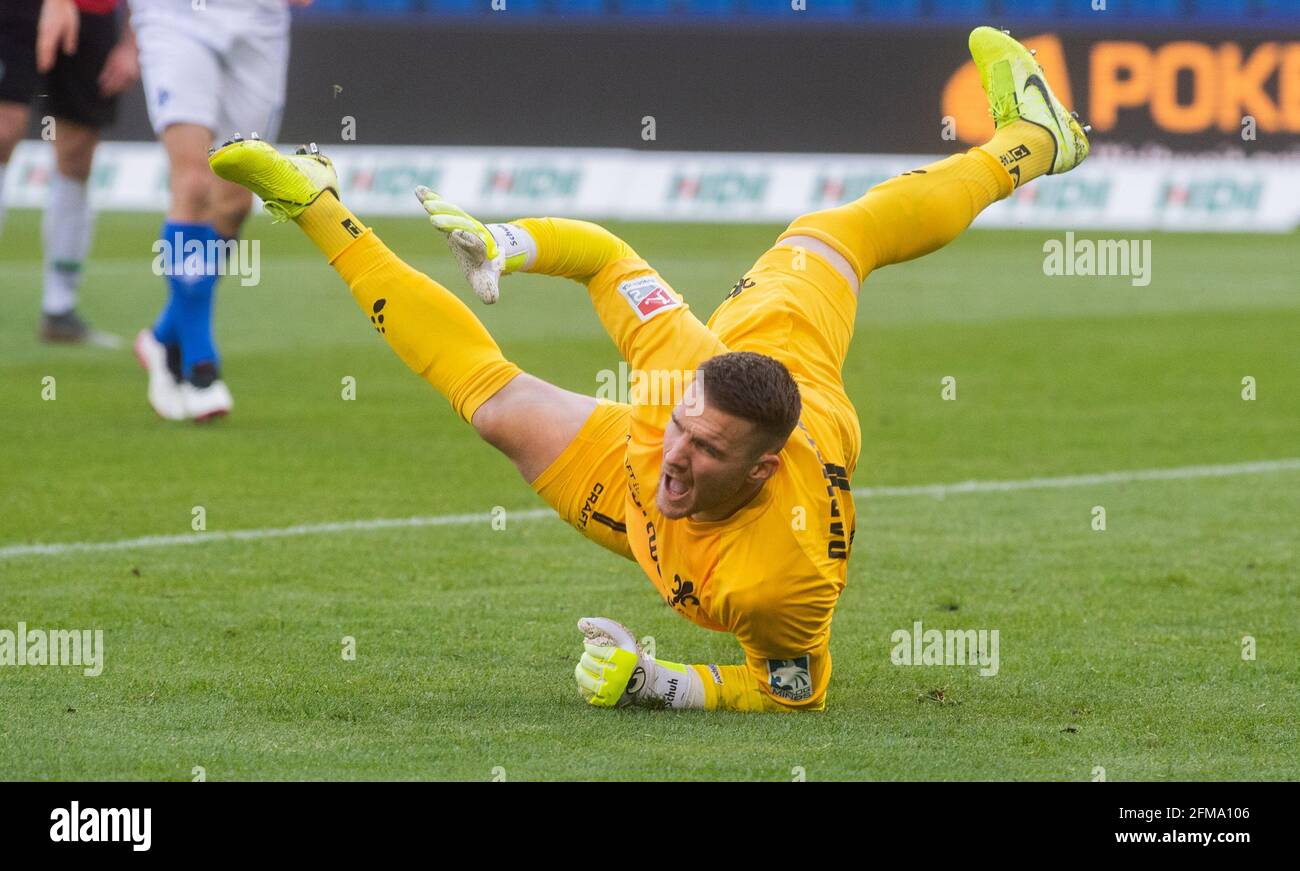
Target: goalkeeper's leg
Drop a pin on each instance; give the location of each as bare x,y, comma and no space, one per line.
903,218
567,446
527,419
925,209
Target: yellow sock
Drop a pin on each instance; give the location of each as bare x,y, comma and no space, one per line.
329,224
573,249
1024,149
911,215
427,325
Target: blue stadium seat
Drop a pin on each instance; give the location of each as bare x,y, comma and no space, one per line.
711,8
772,9
960,10
521,8
330,6
482,8
1121,9
832,8
644,7
1019,10
390,7
893,10
581,7
1286,10
1006,13
444,8
1083,9
1155,9
1217,9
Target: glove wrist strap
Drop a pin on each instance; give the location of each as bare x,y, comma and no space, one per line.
516,244
673,686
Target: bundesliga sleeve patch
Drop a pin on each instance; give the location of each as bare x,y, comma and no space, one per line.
790,678
648,296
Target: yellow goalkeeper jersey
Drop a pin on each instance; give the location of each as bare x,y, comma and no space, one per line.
772,572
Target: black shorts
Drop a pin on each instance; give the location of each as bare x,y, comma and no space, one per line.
71,88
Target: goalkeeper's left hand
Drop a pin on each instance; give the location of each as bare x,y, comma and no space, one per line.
473,245
615,671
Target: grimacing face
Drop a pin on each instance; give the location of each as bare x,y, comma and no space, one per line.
713,462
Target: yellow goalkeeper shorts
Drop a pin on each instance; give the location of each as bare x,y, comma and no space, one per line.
794,306
587,482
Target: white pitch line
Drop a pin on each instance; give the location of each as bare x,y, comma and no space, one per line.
258,534
937,490
1123,477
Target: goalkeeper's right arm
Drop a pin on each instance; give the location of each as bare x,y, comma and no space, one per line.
549,246
615,671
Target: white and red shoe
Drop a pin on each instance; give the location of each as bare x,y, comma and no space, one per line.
205,396
164,386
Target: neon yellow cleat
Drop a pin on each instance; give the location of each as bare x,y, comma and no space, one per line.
286,184
1017,90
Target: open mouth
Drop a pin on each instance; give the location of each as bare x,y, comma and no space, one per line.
675,488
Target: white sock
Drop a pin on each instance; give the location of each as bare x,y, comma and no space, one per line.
66,228
3,167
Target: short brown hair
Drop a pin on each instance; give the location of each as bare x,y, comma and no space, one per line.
756,388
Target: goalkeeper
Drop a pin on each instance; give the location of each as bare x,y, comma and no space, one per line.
733,492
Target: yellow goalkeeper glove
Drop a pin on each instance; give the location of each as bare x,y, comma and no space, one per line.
475,244
615,671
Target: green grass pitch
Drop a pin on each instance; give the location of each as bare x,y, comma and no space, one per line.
1120,649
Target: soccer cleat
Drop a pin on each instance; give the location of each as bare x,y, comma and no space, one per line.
205,396
69,328
1018,91
164,386
286,184
475,248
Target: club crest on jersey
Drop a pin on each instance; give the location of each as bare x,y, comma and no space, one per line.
790,678
683,594
647,296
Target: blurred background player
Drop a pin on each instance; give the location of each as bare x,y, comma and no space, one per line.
207,66
75,53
